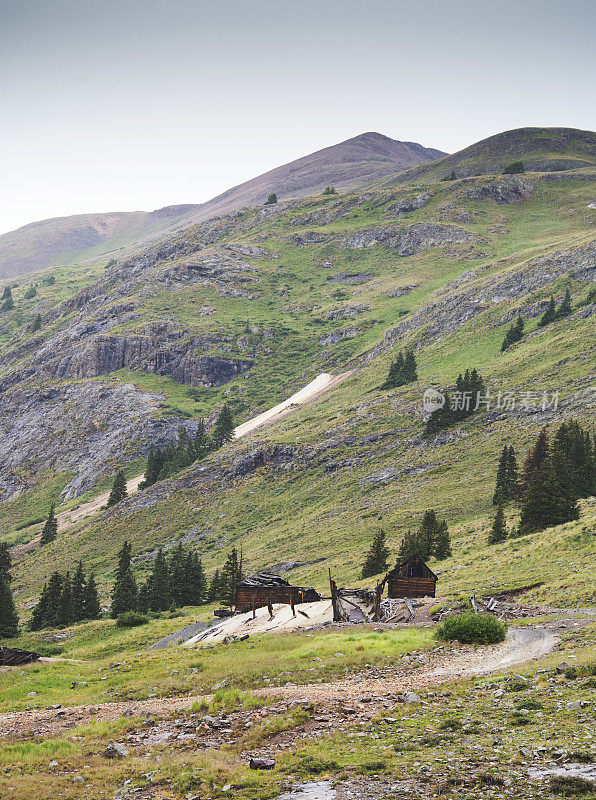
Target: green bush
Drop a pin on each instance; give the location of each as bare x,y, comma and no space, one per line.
47,649
571,786
470,628
529,704
130,619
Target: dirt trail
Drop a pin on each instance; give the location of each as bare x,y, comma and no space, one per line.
522,645
319,386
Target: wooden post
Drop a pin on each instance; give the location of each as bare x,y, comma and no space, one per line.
332,586
270,608
254,607
292,605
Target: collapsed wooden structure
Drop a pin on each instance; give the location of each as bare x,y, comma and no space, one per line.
265,589
411,578
14,657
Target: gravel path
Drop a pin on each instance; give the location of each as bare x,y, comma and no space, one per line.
377,684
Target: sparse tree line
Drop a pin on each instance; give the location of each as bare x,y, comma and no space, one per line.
7,301
431,539
64,600
402,371
174,581
459,404
555,475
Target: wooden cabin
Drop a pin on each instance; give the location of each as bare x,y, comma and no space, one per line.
411,578
264,588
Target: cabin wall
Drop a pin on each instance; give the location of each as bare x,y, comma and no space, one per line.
261,595
411,587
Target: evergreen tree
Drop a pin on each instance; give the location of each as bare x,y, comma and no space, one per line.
429,529
376,559
230,578
329,190
547,502
65,609
507,477
498,532
50,529
199,581
223,430
36,323
158,584
214,587
271,199
79,590
576,446
7,301
395,371
31,292
5,560
200,441
409,372
549,315
442,545
512,485
180,576
47,611
565,309
534,460
515,168
91,605
118,492
143,599
154,467
9,620
124,593
514,334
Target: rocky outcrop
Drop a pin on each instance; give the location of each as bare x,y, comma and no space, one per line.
347,312
506,190
466,297
81,429
414,239
338,336
159,350
409,204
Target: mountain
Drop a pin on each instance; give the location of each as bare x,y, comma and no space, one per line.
540,149
247,308
66,240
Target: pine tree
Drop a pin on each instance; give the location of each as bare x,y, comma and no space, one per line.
31,292
154,466
158,584
409,371
442,545
46,612
36,323
124,593
5,560
500,493
514,334
200,441
91,605
119,491
376,559
271,199
395,371
498,532
180,571
9,620
512,484
549,315
7,301
576,447
214,587
199,582
79,589
534,460
547,502
65,609
230,578
223,430
50,529
565,309
429,529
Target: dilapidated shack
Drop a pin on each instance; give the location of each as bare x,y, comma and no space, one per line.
266,589
411,578
14,657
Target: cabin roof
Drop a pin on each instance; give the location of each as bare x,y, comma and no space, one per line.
413,560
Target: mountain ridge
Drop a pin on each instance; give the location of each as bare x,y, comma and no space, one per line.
65,239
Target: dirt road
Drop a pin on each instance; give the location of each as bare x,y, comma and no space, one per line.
522,645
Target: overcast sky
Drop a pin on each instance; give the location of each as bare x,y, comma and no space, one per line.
135,104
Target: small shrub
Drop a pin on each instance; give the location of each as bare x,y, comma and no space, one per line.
529,704
486,779
130,619
451,724
515,168
368,767
587,669
517,685
309,765
589,683
470,628
518,718
570,673
571,786
582,757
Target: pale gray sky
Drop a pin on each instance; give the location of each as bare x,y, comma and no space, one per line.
136,104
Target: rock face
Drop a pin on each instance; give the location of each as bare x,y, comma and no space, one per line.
466,297
415,239
160,351
81,429
507,190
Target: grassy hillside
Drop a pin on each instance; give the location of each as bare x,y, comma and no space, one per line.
330,288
